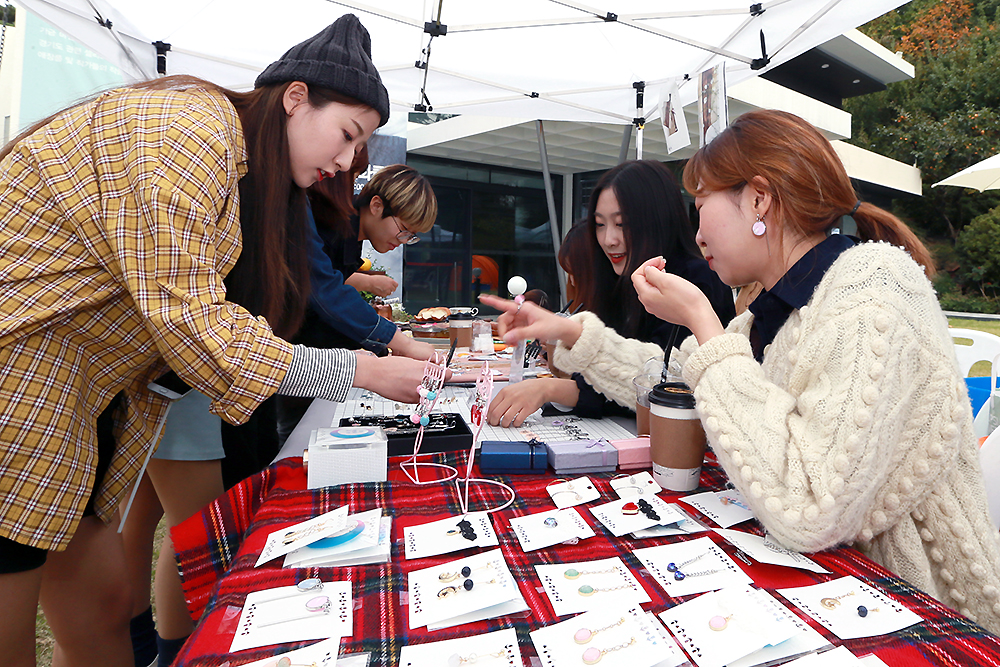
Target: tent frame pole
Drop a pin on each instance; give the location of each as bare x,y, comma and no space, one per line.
553,219
626,142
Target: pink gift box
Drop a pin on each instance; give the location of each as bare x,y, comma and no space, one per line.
633,454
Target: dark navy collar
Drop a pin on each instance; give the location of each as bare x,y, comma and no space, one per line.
793,290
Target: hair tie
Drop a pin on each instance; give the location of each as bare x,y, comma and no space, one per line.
855,209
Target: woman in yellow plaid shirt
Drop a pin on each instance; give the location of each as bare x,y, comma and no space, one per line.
120,218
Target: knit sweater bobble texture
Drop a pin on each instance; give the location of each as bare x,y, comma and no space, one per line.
856,428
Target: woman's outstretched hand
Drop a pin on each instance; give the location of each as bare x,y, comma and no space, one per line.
531,322
673,299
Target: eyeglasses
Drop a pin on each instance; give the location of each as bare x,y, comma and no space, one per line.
405,236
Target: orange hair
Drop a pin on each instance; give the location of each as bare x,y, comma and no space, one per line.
804,176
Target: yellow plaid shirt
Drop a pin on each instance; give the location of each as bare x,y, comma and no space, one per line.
118,221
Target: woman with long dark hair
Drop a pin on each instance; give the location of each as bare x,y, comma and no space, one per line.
835,404
636,212
120,220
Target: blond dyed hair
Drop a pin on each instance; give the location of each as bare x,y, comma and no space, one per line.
405,193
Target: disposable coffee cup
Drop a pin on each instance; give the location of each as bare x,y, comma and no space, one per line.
460,328
676,437
643,385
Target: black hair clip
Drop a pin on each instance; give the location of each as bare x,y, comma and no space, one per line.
648,510
465,529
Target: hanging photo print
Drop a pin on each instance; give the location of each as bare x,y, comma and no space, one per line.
713,105
675,127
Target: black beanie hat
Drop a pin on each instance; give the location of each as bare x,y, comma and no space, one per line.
338,58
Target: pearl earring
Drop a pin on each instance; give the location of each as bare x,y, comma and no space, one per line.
759,227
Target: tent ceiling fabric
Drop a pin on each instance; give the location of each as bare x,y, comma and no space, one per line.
581,60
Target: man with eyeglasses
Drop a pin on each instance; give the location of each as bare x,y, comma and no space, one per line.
395,205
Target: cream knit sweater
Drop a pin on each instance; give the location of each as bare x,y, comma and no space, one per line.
856,428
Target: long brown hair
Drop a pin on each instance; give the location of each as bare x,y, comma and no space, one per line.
267,282
654,222
804,176
332,199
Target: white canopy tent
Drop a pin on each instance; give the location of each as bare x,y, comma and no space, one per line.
532,59
559,60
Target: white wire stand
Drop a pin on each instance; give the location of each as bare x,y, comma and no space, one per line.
429,391
478,410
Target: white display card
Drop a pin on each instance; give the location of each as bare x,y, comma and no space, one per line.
573,492
612,516
804,640
286,614
588,585
635,484
432,539
543,529
835,605
615,637
726,508
290,538
367,538
495,649
439,593
723,626
321,654
692,558
380,553
766,550
688,526
838,657
672,655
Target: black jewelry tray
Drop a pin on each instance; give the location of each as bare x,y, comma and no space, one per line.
447,432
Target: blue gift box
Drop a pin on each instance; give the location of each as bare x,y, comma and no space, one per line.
497,457
582,456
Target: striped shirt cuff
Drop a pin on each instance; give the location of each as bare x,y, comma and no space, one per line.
318,373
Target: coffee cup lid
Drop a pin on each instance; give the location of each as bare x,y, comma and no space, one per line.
672,395
461,316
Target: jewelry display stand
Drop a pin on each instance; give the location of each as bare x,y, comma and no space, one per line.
480,406
429,391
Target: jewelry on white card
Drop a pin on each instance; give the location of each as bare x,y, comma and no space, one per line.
632,484
550,522
584,635
834,602
587,590
593,655
467,585
630,509
287,662
463,528
446,577
648,510
864,611
676,569
719,623
310,584
457,660
573,573
293,535
318,605
726,500
569,489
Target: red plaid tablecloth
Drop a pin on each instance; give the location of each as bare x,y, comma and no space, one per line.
217,549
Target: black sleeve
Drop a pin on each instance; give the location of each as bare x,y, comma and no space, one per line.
594,405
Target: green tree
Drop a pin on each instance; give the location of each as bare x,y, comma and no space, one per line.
978,247
945,119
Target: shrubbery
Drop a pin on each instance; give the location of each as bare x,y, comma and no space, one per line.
978,248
